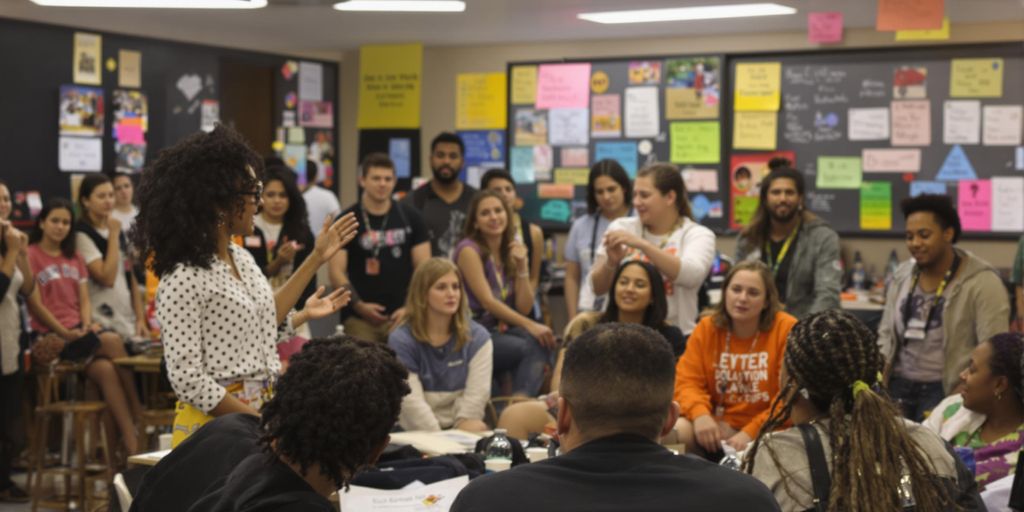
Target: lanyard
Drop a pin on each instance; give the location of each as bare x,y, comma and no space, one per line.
499,276
593,233
782,252
379,242
664,241
907,306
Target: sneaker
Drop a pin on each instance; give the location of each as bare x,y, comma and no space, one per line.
14,494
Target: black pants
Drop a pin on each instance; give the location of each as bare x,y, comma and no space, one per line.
11,437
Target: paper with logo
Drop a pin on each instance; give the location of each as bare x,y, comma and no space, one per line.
876,205
927,187
1008,204
524,85
891,160
825,27
435,497
869,123
839,172
695,142
755,130
521,161
961,122
389,85
605,115
624,153
956,166
568,126
976,78
129,71
1002,126
641,112
758,86
563,85
974,204
911,123
78,154
895,15
86,55
938,34
480,101
574,176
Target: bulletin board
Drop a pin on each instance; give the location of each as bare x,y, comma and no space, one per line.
868,128
565,115
181,86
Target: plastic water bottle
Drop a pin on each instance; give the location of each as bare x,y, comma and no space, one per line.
731,459
500,446
859,276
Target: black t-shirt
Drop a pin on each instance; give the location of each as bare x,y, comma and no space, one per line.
261,483
616,473
782,272
391,238
444,221
675,337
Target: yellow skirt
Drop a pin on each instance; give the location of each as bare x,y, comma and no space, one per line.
188,418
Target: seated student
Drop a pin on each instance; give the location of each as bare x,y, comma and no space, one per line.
988,415
329,418
729,374
939,306
871,459
526,233
449,356
488,258
59,304
639,298
615,403
664,233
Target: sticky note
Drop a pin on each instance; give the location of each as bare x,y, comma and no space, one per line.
1002,126
891,159
622,152
563,85
524,85
839,172
825,27
755,130
521,161
556,190
939,34
976,78
876,205
909,15
868,123
758,86
743,208
575,157
961,122
911,123
927,187
695,142
571,175
1007,203
974,204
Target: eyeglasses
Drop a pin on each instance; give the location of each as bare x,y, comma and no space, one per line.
257,195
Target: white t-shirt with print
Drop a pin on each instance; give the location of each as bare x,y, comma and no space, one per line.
111,306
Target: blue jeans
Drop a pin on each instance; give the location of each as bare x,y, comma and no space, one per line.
915,398
519,353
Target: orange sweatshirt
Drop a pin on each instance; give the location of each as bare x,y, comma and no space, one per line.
751,373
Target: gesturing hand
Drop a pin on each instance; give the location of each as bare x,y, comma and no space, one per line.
335,235
318,306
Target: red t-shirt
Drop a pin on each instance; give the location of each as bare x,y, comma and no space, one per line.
58,279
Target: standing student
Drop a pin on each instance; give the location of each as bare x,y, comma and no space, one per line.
443,201
609,195
500,296
664,233
124,209
320,202
939,306
526,233
449,356
218,314
800,248
113,290
16,280
390,243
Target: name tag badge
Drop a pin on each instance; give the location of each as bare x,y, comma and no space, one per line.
252,241
372,266
914,333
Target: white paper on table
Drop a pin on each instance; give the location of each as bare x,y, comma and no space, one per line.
961,122
997,494
890,160
80,154
435,443
869,123
568,126
311,79
1008,203
435,497
642,118
1002,125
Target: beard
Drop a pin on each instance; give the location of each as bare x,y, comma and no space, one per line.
445,174
783,218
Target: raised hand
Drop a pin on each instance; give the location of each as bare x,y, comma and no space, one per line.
319,306
334,236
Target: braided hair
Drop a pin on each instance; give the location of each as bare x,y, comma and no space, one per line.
831,357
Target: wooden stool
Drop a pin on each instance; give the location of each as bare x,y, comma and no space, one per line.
154,418
47,381
84,470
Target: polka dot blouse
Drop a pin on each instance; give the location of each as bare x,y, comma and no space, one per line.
216,328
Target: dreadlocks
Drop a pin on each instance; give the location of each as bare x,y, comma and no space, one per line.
832,358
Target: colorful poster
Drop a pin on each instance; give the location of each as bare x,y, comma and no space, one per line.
524,85
568,126
961,122
895,15
87,53
956,166
911,123
556,210
644,72
400,151
311,81
316,114
294,156
909,82
605,115
531,127
825,27
843,172
695,142
869,123
320,151
700,180
927,187
692,88
891,160
543,161
130,105
80,154
876,205
938,34
129,69
131,158
745,174
485,150
575,157
758,86
974,204
976,78
480,101
1002,125
641,117
389,85
625,153
1007,203
521,161
81,111
755,130
563,85
555,190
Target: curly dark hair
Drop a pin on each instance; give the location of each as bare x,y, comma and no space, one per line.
188,189
334,406
296,220
941,207
1007,352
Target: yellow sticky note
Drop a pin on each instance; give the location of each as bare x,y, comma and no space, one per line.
575,176
938,34
524,85
755,130
876,205
976,78
758,86
695,142
389,85
480,101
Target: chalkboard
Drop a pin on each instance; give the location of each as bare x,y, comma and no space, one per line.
565,115
959,139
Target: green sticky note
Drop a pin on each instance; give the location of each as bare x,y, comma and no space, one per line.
556,210
876,205
743,209
695,142
839,172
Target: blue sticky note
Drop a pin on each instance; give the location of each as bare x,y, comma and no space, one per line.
927,187
521,159
956,167
701,206
400,151
622,152
556,210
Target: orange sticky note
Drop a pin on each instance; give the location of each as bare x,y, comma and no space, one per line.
909,15
555,190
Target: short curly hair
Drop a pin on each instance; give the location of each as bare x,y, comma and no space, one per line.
334,406
187,190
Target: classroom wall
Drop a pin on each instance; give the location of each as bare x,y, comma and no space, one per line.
442,64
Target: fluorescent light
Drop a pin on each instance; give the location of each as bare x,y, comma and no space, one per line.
707,12
402,5
157,4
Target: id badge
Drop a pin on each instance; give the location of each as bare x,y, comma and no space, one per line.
372,266
915,329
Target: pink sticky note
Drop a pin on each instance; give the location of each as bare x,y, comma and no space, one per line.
563,86
130,133
575,157
824,27
974,198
